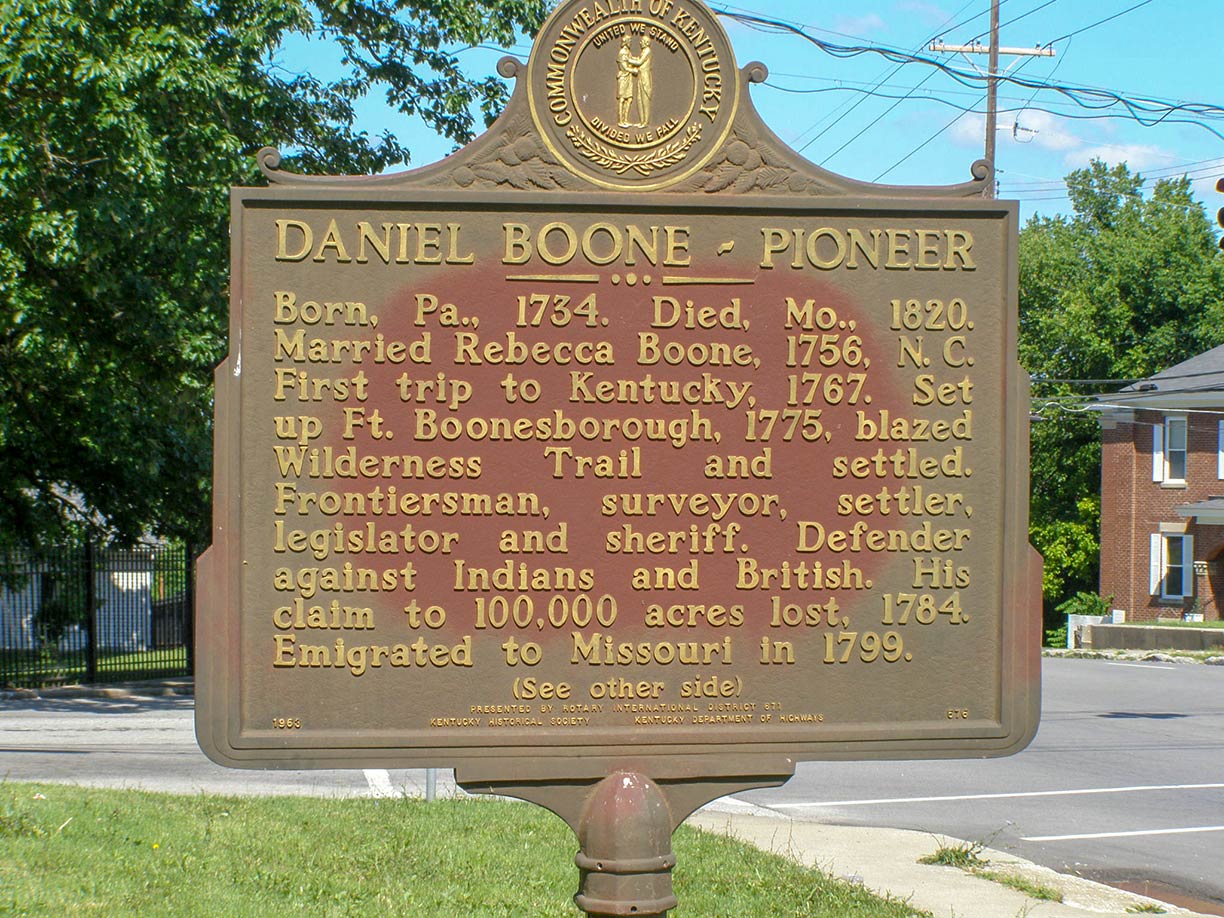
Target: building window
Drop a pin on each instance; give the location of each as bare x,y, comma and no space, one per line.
1220,450
1172,566
1175,449
1169,451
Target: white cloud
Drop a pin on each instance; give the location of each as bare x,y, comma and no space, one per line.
969,131
1059,147
1205,190
1050,132
1031,128
1047,131
861,25
1137,156
931,12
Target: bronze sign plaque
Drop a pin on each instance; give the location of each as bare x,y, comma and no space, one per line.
623,433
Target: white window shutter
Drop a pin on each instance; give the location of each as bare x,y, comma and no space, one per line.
1157,563
1158,459
1220,452
1188,566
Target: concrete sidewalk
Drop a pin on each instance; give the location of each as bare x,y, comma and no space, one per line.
886,862
883,860
157,688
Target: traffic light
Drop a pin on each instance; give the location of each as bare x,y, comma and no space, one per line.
1220,215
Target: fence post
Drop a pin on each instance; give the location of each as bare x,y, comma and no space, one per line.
91,615
189,562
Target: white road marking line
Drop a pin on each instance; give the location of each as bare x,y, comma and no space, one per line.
380,782
737,804
1012,796
1136,834
1142,666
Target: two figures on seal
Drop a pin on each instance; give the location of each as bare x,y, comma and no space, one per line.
634,82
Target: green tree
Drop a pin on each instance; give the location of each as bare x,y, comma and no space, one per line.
124,124
1124,287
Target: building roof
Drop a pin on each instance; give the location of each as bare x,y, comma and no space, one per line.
1209,511
1194,382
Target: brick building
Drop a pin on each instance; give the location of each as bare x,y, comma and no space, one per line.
1162,493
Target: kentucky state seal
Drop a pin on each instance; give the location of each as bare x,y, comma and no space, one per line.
633,93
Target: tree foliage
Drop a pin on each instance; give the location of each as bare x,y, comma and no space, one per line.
124,124
1124,287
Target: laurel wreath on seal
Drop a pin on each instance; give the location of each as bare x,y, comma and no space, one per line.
644,163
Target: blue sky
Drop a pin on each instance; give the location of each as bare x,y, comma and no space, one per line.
837,111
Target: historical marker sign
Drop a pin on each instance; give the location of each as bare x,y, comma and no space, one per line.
623,433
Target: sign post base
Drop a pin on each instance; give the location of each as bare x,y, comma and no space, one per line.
624,820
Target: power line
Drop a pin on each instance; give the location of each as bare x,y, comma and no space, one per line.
1101,22
1087,408
878,83
1037,378
843,84
1193,175
1081,101
727,8
1145,110
863,86
1065,85
908,95
994,51
1016,19
880,117
1020,109
932,97
946,127
921,145
799,30
1055,194
1149,175
1066,196
1050,78
1093,88
1068,38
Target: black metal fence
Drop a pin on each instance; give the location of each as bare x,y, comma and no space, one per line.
93,615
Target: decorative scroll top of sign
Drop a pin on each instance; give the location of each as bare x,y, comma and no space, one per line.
639,95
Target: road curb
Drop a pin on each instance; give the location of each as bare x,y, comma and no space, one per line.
1132,656
887,862
156,688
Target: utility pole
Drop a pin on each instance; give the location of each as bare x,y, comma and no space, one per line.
992,92
992,78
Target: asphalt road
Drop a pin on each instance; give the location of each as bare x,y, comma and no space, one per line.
1124,783
151,744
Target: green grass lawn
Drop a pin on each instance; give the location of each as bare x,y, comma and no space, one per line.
1178,623
32,669
78,851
